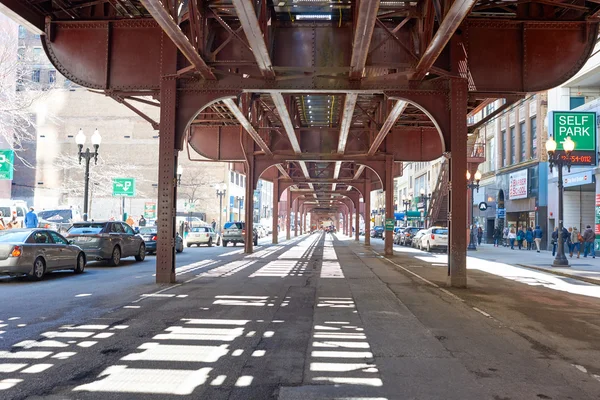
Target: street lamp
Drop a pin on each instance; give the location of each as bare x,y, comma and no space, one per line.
560,161
87,155
473,184
424,199
220,193
179,173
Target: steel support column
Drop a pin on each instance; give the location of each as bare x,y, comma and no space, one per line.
367,215
249,204
357,223
296,218
389,201
457,217
288,216
167,187
275,213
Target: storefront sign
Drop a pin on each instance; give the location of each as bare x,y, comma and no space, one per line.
581,128
597,222
500,213
149,210
517,188
581,178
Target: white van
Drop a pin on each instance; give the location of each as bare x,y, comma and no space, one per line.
13,207
58,219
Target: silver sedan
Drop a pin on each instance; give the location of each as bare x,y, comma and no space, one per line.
35,252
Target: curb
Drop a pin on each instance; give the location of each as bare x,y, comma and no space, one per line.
563,274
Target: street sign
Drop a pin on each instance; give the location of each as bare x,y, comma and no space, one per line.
581,128
389,224
483,206
149,210
124,187
501,213
7,158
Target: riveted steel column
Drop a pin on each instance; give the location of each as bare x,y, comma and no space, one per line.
288,216
167,185
357,223
367,209
457,217
296,219
275,216
249,210
389,202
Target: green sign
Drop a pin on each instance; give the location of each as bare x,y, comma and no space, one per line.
124,187
581,128
389,224
149,210
7,158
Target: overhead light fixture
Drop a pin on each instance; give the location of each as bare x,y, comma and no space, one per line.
326,17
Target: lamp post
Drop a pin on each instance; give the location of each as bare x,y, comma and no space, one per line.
560,161
265,207
220,193
424,200
87,155
473,184
179,173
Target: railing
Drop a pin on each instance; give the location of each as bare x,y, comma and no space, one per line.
476,152
439,194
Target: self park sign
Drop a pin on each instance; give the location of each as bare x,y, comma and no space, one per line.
581,128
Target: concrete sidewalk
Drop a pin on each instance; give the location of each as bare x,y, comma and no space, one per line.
584,269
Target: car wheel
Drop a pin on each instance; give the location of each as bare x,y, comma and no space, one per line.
189,245
115,259
80,263
218,241
210,242
179,250
38,270
224,243
428,247
234,244
141,255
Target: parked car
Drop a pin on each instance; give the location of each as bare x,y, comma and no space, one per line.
406,236
35,252
262,232
435,237
416,240
234,232
377,231
203,235
107,241
59,219
150,236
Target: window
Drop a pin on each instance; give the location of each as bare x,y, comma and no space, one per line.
21,53
576,101
22,32
37,54
523,141
117,228
51,76
513,152
243,181
504,155
41,237
128,229
57,238
410,182
237,179
533,128
35,75
231,176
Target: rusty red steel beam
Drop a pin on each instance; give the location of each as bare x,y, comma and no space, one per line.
166,22
391,119
457,13
239,115
365,24
249,21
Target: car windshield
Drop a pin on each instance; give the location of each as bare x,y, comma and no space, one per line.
61,216
86,228
147,229
198,229
13,236
440,231
5,211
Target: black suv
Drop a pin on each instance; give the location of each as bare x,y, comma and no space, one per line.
234,232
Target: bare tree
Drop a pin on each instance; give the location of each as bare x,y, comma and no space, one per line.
197,187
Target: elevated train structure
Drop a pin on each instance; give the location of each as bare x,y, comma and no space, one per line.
324,98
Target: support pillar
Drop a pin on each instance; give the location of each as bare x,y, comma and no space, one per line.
357,223
457,217
249,210
367,209
288,212
389,202
275,213
296,219
167,183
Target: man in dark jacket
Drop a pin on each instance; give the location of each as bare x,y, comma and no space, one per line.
537,237
589,237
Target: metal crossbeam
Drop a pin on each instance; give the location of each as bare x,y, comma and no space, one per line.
170,27
247,17
365,23
391,119
239,115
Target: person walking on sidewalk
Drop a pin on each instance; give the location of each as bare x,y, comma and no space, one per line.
512,235
497,236
479,235
554,241
589,237
537,237
505,237
529,238
520,238
575,242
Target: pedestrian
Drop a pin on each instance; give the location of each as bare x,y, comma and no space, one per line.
497,236
537,237
479,235
589,238
570,243
576,239
186,229
13,223
31,219
142,221
505,236
130,221
554,241
566,235
529,238
520,238
214,224
512,235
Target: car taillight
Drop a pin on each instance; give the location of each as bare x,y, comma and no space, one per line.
407,234
432,236
16,252
154,238
243,232
208,234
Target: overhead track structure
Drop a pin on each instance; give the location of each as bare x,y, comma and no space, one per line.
325,99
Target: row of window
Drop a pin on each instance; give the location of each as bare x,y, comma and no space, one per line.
522,139
237,179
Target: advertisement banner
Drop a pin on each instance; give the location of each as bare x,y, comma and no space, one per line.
597,223
517,188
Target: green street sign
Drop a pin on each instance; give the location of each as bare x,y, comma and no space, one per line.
581,128
124,187
7,159
149,210
389,224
